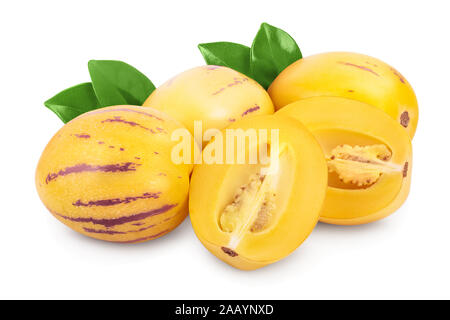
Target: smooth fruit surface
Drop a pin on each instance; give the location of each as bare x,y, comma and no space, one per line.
108,174
216,95
349,75
251,215
369,157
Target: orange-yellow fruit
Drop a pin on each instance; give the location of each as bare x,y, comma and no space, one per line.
369,157
108,174
349,75
218,96
255,213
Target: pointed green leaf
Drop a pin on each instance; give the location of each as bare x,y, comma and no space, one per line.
116,82
232,55
272,51
73,101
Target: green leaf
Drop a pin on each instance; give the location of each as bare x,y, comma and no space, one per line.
228,54
73,101
272,51
116,82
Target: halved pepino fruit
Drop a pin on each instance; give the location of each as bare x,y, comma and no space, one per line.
250,210
108,174
369,157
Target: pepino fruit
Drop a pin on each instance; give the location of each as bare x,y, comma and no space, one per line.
250,210
108,174
218,96
348,75
368,155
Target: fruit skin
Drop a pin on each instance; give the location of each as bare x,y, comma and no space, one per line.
349,75
108,175
351,122
212,187
216,95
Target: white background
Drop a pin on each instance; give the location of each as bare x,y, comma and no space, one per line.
45,47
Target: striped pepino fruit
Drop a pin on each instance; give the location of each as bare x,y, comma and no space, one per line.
108,174
349,75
